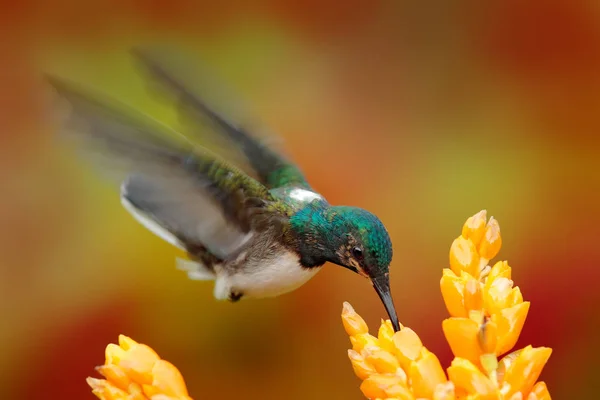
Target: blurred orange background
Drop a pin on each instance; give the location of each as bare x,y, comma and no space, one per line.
422,112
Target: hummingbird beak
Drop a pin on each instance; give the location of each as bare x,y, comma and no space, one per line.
382,286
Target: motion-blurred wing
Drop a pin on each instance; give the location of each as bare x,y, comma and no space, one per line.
188,192
273,169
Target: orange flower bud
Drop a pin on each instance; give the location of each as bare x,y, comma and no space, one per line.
462,336
473,294
492,240
426,374
500,295
525,370
488,337
474,228
453,288
361,367
444,391
383,361
105,391
362,340
510,322
464,257
505,363
138,363
540,391
383,386
465,375
408,346
500,269
489,363
168,380
115,374
385,335
353,323
399,392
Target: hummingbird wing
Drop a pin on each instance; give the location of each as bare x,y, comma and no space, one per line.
272,168
198,198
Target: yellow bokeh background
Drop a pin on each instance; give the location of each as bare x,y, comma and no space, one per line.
422,113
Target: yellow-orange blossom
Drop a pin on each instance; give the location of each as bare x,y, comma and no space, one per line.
487,315
134,371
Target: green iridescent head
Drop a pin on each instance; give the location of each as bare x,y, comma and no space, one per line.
363,243
350,237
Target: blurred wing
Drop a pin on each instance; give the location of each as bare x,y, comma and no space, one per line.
196,197
273,169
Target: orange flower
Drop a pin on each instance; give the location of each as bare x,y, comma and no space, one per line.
133,371
486,317
393,365
487,312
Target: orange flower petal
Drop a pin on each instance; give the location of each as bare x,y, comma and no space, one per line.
489,363
492,240
361,367
113,354
516,297
383,386
408,346
473,296
168,379
444,391
164,397
464,257
453,288
426,374
488,337
115,374
540,391
499,295
385,335
399,392
462,336
510,322
505,363
383,361
525,369
138,363
467,376
135,392
362,340
126,342
474,228
104,390
353,323
500,269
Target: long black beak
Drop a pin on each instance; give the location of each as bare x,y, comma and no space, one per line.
382,286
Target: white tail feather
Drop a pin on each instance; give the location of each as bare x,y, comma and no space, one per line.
195,270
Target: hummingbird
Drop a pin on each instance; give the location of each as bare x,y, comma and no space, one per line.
256,235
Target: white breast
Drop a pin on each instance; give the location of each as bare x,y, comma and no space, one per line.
278,276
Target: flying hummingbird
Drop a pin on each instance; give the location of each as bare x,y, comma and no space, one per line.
256,237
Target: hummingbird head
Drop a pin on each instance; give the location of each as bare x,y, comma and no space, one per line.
350,237
365,247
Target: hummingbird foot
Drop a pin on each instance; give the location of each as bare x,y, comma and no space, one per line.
234,297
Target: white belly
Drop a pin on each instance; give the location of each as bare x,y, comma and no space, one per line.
282,275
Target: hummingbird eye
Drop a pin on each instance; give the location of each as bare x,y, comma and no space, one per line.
357,253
